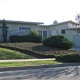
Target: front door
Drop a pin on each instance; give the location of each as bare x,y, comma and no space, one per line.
44,34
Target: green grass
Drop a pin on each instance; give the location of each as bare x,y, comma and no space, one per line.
28,63
11,54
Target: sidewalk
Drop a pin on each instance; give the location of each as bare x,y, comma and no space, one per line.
38,67
22,60
34,67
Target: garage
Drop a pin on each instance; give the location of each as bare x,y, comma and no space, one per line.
76,40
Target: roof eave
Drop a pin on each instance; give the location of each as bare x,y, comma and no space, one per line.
21,22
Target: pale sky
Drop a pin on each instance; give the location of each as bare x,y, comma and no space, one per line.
39,10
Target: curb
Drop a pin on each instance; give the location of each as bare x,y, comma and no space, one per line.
38,67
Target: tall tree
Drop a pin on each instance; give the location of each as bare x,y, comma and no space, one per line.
4,30
78,23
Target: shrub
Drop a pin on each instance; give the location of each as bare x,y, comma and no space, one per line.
58,41
34,33
68,57
34,36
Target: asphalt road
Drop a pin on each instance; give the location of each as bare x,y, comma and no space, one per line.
57,73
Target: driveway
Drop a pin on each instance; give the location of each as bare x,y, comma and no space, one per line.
76,48
56,73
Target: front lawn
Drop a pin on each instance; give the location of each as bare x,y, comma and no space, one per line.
11,54
28,63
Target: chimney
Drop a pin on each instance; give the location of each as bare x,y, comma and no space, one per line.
55,22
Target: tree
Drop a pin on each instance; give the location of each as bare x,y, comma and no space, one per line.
78,23
4,30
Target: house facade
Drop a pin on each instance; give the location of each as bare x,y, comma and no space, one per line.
18,28
67,29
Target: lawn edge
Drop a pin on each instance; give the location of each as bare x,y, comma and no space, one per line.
38,66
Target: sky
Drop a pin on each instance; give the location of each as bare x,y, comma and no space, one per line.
39,10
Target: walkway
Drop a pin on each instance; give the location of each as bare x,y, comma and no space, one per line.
22,60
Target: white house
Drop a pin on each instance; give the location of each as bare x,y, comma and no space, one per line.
18,28
67,28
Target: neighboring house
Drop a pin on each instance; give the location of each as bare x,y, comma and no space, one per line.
67,28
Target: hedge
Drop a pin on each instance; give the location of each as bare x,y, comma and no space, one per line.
58,41
28,38
34,36
70,57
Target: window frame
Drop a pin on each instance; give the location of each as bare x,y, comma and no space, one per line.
63,31
24,28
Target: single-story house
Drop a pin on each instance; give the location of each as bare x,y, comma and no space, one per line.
67,28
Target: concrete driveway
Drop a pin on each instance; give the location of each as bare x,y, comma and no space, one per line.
57,73
76,48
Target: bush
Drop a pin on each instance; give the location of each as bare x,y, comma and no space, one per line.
68,57
34,36
58,41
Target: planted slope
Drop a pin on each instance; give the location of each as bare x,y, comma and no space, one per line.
37,48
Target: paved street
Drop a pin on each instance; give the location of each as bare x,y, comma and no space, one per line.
57,73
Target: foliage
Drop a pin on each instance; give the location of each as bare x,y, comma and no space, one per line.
4,30
36,48
35,33
33,36
16,38
10,54
71,57
58,41
47,52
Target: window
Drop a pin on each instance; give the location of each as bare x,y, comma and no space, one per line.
62,31
40,33
44,34
24,28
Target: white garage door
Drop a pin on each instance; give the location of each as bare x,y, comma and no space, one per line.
76,39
